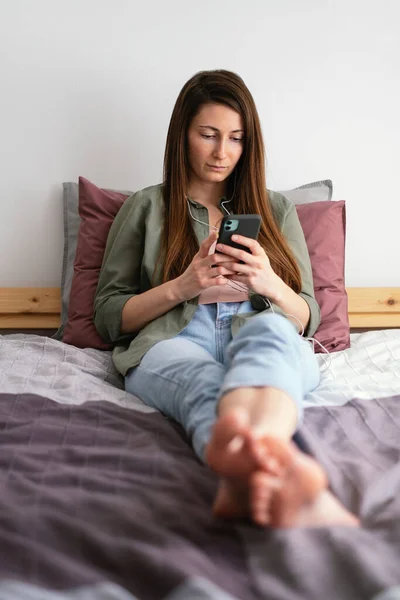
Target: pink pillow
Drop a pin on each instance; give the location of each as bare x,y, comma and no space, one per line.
97,209
324,229
324,226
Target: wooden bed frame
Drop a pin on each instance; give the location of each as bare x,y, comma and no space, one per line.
39,308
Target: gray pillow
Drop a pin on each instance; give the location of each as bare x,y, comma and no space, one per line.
72,221
311,192
318,191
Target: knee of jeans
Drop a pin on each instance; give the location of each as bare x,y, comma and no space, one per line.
272,323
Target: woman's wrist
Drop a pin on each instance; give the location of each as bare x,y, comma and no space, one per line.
276,293
291,303
175,291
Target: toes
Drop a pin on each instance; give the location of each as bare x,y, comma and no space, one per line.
301,480
258,451
270,455
262,490
282,454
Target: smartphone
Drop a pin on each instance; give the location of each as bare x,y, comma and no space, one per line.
246,225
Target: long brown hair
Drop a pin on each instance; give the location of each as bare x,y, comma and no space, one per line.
179,243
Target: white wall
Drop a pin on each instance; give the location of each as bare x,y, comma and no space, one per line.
87,88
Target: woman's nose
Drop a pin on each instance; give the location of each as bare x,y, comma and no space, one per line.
220,149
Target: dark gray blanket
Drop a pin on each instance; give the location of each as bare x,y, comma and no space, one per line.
99,493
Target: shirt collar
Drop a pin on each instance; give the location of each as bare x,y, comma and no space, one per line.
198,205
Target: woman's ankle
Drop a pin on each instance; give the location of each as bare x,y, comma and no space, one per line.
270,411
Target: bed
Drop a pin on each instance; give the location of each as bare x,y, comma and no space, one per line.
103,498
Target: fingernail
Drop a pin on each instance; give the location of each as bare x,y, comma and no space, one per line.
219,246
235,238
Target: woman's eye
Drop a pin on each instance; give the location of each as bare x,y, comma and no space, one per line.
210,136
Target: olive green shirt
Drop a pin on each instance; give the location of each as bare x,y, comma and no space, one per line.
131,253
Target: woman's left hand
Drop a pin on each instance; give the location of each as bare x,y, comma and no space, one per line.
256,272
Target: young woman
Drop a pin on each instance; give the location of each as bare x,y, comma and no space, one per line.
209,338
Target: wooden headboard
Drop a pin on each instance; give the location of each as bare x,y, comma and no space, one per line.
39,308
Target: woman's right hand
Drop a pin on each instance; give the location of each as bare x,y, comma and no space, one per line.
200,275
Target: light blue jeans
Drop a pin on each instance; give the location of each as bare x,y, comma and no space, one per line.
184,377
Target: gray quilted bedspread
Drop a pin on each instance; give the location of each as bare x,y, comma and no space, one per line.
66,374
103,500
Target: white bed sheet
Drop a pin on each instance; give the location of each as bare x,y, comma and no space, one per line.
369,369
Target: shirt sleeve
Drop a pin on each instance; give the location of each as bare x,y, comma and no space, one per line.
294,235
119,278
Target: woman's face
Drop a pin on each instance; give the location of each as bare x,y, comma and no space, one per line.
215,143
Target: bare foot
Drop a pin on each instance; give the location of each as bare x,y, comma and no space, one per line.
269,480
232,450
233,454
236,455
298,498
325,510
300,481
